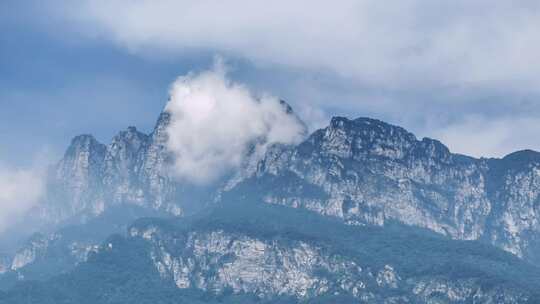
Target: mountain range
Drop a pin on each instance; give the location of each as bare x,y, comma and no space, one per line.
360,211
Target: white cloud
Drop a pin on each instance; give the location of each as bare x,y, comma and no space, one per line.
397,44
418,63
488,137
215,121
20,190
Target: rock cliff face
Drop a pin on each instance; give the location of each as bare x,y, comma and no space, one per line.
217,262
76,184
347,185
44,255
363,171
368,172
262,253
92,177
246,258
135,168
35,247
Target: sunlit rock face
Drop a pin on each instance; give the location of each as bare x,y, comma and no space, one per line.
368,172
75,185
155,163
34,248
364,171
122,160
220,262
132,169
360,172
54,246
135,168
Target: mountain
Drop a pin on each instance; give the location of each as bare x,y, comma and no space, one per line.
92,177
44,255
360,210
259,253
365,171
134,169
93,181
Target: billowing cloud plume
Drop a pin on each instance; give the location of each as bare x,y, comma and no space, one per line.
20,190
215,123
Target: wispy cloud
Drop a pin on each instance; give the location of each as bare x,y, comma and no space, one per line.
483,136
20,190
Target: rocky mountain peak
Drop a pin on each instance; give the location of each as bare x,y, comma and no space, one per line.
127,143
162,123
433,151
366,125
370,172
364,137
288,108
124,155
82,159
523,157
84,143
363,170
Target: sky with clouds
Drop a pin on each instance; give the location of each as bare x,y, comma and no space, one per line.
464,72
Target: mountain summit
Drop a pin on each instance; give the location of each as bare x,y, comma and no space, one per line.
357,177
364,171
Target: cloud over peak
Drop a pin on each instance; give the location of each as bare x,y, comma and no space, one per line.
215,123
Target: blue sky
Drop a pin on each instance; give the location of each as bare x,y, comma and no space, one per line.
466,73
52,89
